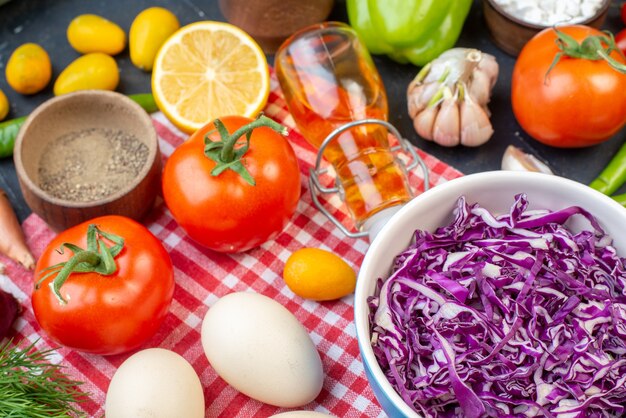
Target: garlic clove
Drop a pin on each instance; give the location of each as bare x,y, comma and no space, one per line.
424,121
429,92
517,160
413,101
419,97
476,128
490,67
479,87
446,130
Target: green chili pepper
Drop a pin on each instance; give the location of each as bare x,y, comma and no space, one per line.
8,133
613,175
10,128
415,31
146,101
620,198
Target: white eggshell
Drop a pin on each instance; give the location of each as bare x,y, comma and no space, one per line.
258,347
301,414
155,383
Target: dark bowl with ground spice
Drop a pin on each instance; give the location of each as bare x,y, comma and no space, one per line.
88,154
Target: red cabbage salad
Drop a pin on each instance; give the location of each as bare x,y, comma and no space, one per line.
505,316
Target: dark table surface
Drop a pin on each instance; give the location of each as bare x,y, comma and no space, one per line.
45,22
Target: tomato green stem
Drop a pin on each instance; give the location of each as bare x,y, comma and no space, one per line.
594,48
97,258
613,175
616,65
226,153
87,257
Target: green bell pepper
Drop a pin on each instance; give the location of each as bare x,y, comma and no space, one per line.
415,31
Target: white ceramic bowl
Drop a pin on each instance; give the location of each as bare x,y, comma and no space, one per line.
494,191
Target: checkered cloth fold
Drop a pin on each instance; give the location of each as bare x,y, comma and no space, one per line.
202,276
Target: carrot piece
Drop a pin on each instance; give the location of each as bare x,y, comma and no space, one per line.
12,242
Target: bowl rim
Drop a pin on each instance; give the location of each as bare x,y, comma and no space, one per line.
377,246
605,6
137,111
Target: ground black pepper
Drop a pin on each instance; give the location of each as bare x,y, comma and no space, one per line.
90,164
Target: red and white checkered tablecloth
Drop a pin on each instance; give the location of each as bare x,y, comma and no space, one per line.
202,276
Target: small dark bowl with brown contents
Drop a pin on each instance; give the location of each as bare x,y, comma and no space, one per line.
88,154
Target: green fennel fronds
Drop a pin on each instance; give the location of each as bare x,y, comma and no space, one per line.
31,386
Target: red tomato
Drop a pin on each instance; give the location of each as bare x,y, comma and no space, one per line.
580,102
624,13
106,314
224,212
620,40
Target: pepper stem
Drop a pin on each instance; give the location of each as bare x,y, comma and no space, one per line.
97,258
225,152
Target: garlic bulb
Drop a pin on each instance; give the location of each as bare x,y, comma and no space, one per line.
448,98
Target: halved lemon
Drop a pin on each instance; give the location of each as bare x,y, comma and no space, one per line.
206,70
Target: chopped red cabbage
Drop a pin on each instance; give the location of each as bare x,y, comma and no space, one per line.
506,316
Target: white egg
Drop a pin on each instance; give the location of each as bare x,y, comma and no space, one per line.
301,414
258,347
155,383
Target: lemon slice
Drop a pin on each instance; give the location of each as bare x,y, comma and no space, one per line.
207,70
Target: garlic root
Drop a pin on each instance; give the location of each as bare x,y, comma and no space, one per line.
448,98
